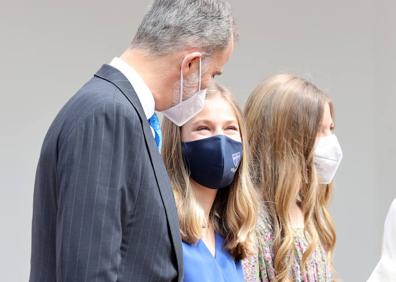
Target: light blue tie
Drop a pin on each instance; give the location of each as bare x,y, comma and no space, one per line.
156,126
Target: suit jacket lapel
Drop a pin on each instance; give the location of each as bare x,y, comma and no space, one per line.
115,77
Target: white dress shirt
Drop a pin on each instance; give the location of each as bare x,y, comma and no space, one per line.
385,271
142,91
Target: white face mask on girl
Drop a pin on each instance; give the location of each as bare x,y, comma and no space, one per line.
186,110
328,156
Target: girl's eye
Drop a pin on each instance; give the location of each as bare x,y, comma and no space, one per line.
200,128
232,127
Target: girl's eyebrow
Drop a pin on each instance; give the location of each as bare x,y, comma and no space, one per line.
206,121
231,121
202,121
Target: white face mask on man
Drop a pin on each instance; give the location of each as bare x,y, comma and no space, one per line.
187,109
328,156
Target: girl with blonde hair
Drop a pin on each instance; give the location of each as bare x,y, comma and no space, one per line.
295,156
207,162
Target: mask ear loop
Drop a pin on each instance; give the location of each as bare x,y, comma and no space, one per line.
181,82
200,73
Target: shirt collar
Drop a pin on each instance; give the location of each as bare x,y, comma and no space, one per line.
142,91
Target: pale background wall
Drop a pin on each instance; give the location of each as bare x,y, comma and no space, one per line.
48,50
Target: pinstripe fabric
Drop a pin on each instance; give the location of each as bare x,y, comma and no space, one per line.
103,205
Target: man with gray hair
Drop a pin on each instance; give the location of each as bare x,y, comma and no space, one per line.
103,204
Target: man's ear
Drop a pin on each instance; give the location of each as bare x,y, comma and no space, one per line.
190,63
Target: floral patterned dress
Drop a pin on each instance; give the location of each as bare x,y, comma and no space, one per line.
260,267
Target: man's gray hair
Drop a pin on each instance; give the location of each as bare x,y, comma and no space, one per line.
173,25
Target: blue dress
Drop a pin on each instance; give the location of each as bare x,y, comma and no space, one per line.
201,266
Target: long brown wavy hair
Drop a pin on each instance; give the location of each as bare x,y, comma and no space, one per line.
283,116
234,211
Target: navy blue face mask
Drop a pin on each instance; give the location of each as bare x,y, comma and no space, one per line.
213,161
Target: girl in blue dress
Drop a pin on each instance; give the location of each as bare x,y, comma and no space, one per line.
207,162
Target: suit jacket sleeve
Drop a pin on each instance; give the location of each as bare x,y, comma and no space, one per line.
97,161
